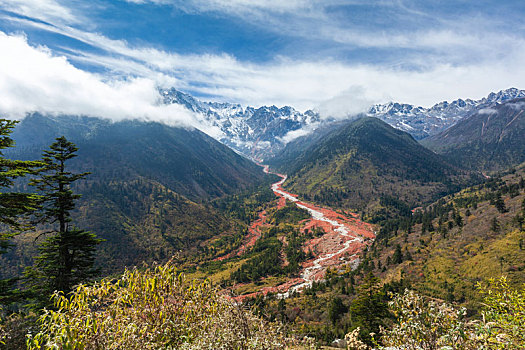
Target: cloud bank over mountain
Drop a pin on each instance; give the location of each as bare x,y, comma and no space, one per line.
32,79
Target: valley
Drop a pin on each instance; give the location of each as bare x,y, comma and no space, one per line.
442,250
340,246
301,234
341,238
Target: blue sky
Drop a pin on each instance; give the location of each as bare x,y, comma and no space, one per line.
338,56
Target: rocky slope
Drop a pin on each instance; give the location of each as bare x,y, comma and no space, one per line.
254,132
490,139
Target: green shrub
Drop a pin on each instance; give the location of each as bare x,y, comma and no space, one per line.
14,328
424,323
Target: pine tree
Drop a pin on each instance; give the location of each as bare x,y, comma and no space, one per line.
500,204
458,219
14,206
67,255
58,198
369,309
408,256
495,226
336,309
397,258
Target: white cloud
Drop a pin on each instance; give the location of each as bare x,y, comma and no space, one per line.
292,135
303,84
353,101
234,6
487,111
328,84
336,88
44,10
473,36
517,105
33,79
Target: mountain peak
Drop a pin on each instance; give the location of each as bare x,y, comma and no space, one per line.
253,131
357,162
504,95
422,122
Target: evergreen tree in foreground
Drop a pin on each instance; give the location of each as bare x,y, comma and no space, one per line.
14,206
67,255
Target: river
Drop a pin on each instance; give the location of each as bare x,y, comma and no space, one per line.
351,233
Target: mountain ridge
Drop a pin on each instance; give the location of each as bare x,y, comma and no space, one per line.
422,122
365,159
246,129
179,158
489,139
264,131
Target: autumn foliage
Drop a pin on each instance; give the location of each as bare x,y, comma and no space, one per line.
155,308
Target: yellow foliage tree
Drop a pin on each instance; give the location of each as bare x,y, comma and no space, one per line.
503,323
431,324
156,308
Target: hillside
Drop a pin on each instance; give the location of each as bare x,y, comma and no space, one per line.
441,251
148,188
186,161
490,139
470,236
296,147
355,165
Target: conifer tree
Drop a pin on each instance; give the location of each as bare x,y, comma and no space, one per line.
397,258
495,226
500,204
14,206
67,254
336,309
369,309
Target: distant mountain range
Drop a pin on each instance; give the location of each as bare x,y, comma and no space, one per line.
489,139
261,132
253,132
423,122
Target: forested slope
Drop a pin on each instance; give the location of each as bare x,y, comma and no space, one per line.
357,164
148,188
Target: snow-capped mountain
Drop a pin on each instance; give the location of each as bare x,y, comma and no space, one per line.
254,132
259,132
421,122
